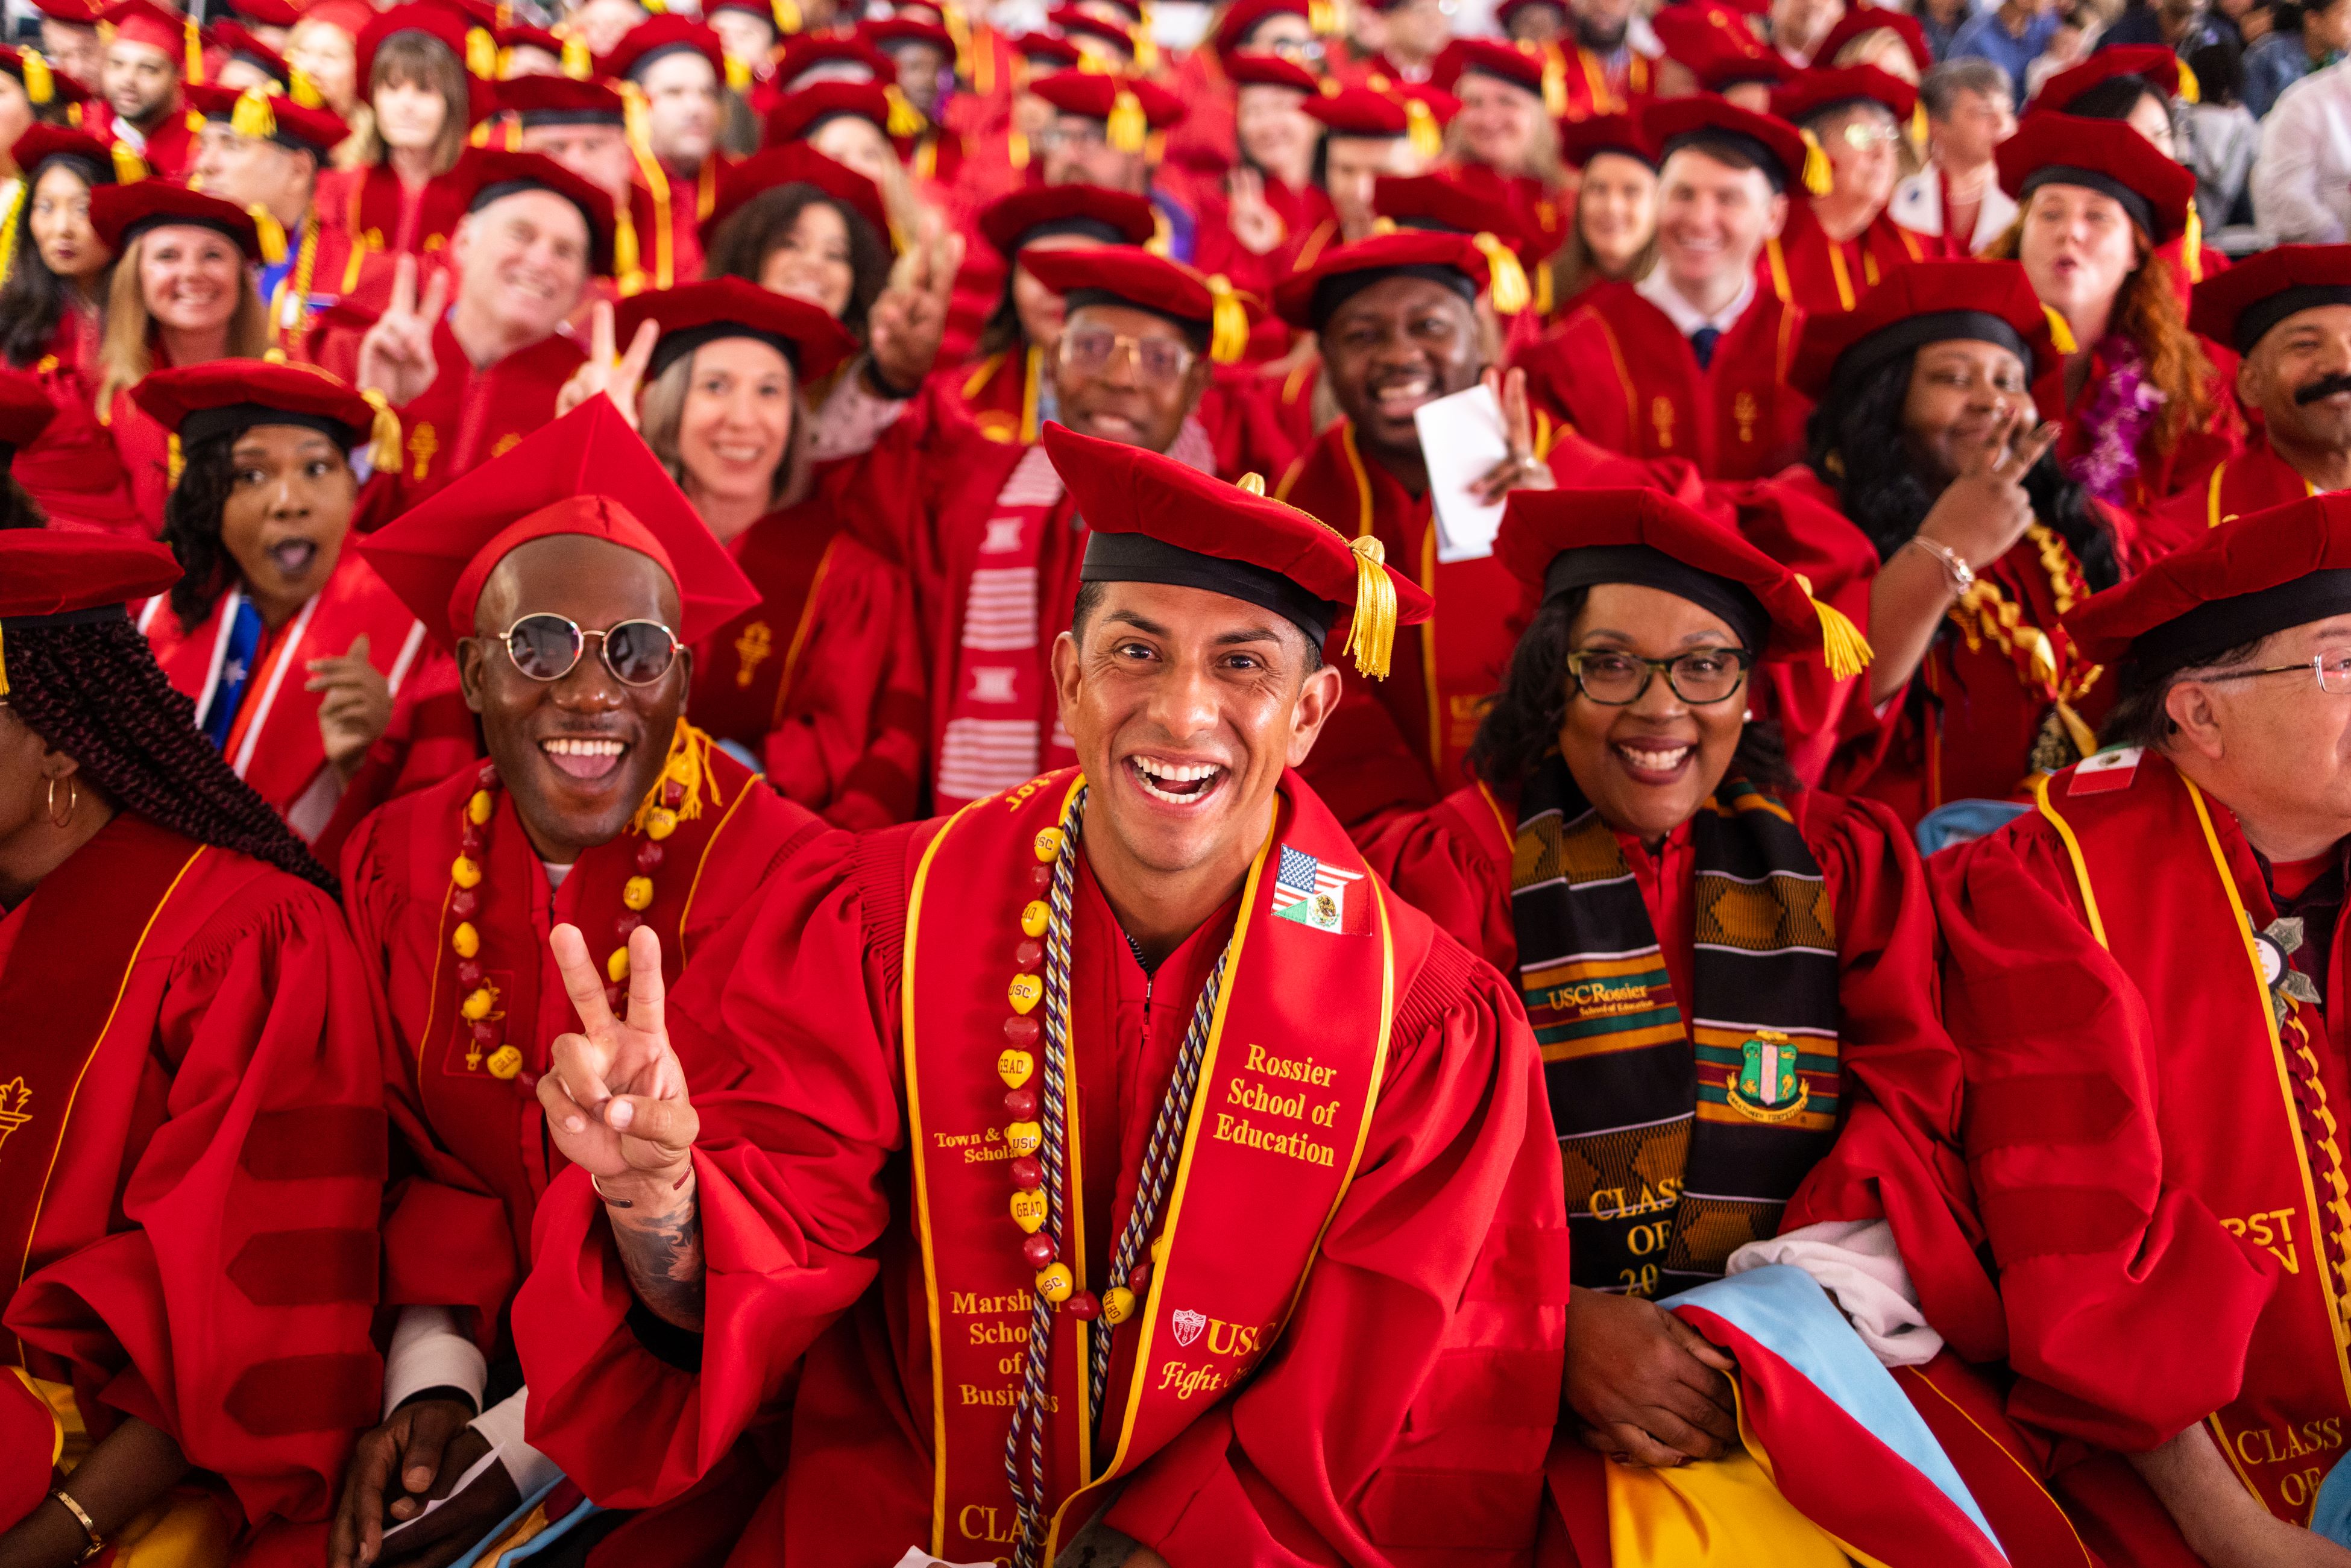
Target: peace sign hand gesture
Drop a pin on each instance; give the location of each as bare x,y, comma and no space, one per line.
1251,218
906,324
1984,511
396,356
617,376
614,1094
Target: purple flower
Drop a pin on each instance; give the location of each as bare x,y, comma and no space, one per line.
2120,408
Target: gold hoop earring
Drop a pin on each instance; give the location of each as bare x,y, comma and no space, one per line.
73,799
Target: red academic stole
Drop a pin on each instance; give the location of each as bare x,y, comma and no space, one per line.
89,918
2182,928
743,673
1287,1086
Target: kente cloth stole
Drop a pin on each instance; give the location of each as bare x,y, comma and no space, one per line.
1682,1138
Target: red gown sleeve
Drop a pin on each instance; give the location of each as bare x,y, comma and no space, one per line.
232,1307
1447,874
1404,1416
2126,1343
799,1111
851,743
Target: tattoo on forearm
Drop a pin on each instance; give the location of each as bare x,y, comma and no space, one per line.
663,1253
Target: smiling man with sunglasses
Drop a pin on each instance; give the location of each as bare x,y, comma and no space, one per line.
568,577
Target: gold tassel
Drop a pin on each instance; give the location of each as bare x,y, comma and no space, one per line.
302,89
2192,243
3,664
195,124
128,167
2085,739
383,435
688,767
1322,16
481,54
1128,126
1371,639
628,266
1228,329
193,41
1250,484
2061,332
1546,298
578,64
174,461
1554,81
39,86
1818,178
788,16
1015,149
739,77
1506,285
253,116
1841,644
1420,128
1918,125
906,119
73,115
635,113
1383,225
272,233
2190,92
1147,48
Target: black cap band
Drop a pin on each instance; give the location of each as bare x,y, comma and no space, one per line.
1339,287
1743,149
2213,628
676,346
138,228
533,118
1076,223
2141,210
1645,566
2261,315
498,190
1913,332
96,615
1195,329
644,62
236,418
1139,558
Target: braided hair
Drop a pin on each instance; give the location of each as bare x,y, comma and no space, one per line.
192,526
95,692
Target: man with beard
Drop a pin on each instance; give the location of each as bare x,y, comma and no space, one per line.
2288,312
1607,73
141,80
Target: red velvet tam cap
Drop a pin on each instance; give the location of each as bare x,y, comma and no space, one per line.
1860,21
227,397
72,13
800,114
120,214
1419,112
522,36
265,13
1306,299
1817,92
485,174
542,99
42,143
1715,43
2238,306
475,46
1521,63
1044,48
25,409
1110,99
798,163
2153,64
1076,24
657,37
1922,302
1129,275
51,576
241,45
1719,128
1272,70
2103,155
1162,521
693,314
1451,204
1582,141
44,84
271,117
768,11
144,22
1556,542
2253,575
844,57
895,32
588,473
1038,211
1509,8
1243,15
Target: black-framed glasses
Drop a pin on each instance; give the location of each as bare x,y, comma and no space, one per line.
2332,668
1700,677
1158,361
546,647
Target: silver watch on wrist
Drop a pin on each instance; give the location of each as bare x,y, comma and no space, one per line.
1954,565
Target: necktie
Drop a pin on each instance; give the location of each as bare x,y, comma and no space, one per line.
1702,343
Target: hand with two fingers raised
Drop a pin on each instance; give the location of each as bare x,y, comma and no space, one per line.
614,1094
905,327
618,376
396,357
1984,510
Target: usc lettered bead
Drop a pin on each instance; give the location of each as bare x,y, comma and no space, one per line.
1024,1137
1056,1283
1049,844
1026,991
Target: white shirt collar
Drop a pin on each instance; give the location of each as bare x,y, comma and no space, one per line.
1685,317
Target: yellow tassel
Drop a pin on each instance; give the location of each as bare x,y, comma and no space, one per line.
906,119
174,461
1128,126
1322,16
1228,329
273,233
1092,65
481,54
578,64
3,664
1554,81
1147,49
128,167
193,41
1250,484
1372,637
689,768
2190,92
253,116
1918,125
383,433
195,123
39,86
2192,243
1015,149
1420,128
2085,739
73,115
738,76
1383,225
1507,285
788,16
1841,644
479,136
2061,333
302,89
1818,179
627,265
1546,296
1161,242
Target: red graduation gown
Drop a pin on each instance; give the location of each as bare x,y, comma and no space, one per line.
1827,275
198,1145
72,467
469,415
824,680
379,216
1618,373
2162,471
457,1222
2253,479
1400,1418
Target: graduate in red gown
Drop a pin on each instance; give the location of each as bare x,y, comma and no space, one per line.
171,48
401,200
2145,973
1624,808
1258,218
2286,313
1692,361
1327,1074
2135,83
673,139
1838,245
568,576
1508,92
190,1120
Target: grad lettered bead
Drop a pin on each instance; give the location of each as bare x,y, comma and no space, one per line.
505,1061
1015,1067
1056,1283
1029,1210
1026,991
637,892
1117,1304
1024,1137
466,871
1039,1250
1035,917
465,941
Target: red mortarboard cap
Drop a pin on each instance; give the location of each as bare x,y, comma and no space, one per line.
44,84
798,163
522,36
693,314
2157,66
223,397
667,34
42,143
844,52
2103,155
763,9
1922,302
239,43
46,572
1034,212
265,13
1582,141
588,473
72,13
1518,64
144,22
543,100
2238,306
1133,9
1153,520
1479,205
1306,299
25,409
1036,47
120,214
1818,91
272,117
1242,16
1859,21
1076,24
1717,45
1557,540
893,31
1787,156
347,15
1419,112
451,26
484,175
1270,70
1124,104
2253,575
1129,275
800,114
1509,8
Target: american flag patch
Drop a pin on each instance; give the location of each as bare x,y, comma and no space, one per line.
1323,896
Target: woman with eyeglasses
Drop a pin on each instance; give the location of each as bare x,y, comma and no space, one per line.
1730,978
1838,244
571,578
300,661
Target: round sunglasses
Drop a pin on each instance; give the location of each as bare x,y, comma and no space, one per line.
548,647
